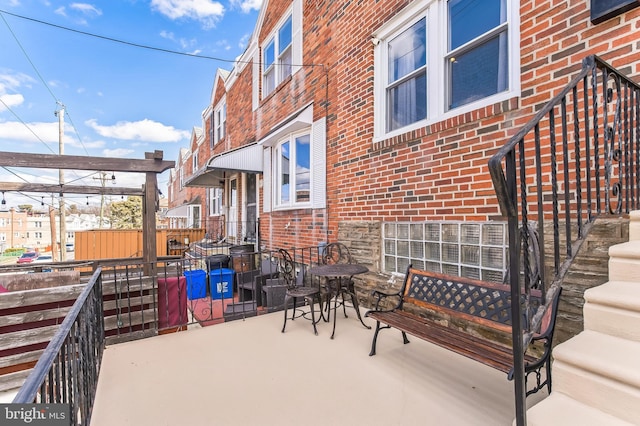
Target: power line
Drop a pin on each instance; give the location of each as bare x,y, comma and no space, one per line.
26,125
142,46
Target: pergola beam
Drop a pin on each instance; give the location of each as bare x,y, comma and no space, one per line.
78,162
69,189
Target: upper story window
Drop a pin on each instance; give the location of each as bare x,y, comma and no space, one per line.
181,178
277,57
293,171
211,130
215,201
449,58
220,121
194,164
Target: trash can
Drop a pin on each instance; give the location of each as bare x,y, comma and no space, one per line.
221,283
243,257
196,284
217,261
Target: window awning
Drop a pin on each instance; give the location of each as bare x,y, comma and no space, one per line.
247,159
302,119
179,211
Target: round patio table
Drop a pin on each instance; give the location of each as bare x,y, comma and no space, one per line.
340,271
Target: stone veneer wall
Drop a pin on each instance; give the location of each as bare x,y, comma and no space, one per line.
589,269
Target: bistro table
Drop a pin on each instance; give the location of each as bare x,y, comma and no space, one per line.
342,272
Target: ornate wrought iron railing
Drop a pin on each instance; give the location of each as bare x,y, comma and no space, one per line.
575,160
67,371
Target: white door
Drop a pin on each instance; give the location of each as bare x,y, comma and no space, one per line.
232,219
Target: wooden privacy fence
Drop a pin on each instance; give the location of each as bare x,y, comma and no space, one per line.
30,318
123,243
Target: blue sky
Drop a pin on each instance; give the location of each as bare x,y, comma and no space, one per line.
120,100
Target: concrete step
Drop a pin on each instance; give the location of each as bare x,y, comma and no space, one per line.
624,261
600,371
559,409
614,308
634,225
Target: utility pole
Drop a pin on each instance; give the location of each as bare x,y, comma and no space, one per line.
102,178
63,216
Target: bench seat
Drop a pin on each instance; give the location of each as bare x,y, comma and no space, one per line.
480,310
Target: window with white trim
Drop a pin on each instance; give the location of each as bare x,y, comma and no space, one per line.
181,177
211,130
220,121
277,56
215,201
194,163
292,171
445,59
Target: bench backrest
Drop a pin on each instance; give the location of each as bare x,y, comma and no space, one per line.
485,303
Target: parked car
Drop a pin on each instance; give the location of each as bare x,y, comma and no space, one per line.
28,257
44,258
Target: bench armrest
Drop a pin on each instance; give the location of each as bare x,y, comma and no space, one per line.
380,294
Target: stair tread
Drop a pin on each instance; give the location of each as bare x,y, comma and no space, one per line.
559,409
628,250
601,354
618,294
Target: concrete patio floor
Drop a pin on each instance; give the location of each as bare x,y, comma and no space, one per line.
249,373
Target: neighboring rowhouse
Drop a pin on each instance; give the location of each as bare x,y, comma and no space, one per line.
348,120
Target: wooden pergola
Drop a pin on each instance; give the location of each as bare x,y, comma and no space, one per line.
151,166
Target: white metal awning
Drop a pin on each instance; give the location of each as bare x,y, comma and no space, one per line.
247,159
180,211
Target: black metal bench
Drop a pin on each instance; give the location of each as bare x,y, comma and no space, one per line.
460,301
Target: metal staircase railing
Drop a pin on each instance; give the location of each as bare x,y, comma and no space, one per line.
577,159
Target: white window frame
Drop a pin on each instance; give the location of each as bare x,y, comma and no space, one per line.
281,67
435,13
277,175
212,132
181,178
220,121
194,161
216,195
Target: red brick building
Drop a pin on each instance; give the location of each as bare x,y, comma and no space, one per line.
373,122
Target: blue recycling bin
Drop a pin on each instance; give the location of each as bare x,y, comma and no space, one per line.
196,284
221,283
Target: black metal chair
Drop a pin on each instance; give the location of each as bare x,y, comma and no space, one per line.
332,254
297,290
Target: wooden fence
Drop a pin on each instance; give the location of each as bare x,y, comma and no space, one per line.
124,243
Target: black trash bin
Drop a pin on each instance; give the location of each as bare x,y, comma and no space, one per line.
217,261
243,257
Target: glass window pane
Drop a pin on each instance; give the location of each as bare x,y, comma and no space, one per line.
407,102
269,54
285,64
303,168
408,51
479,72
469,19
284,36
284,173
269,82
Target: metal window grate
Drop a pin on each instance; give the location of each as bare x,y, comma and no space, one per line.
475,250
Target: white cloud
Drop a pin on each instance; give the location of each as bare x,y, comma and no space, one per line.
118,152
18,132
10,101
61,11
207,12
247,5
86,9
144,130
243,41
